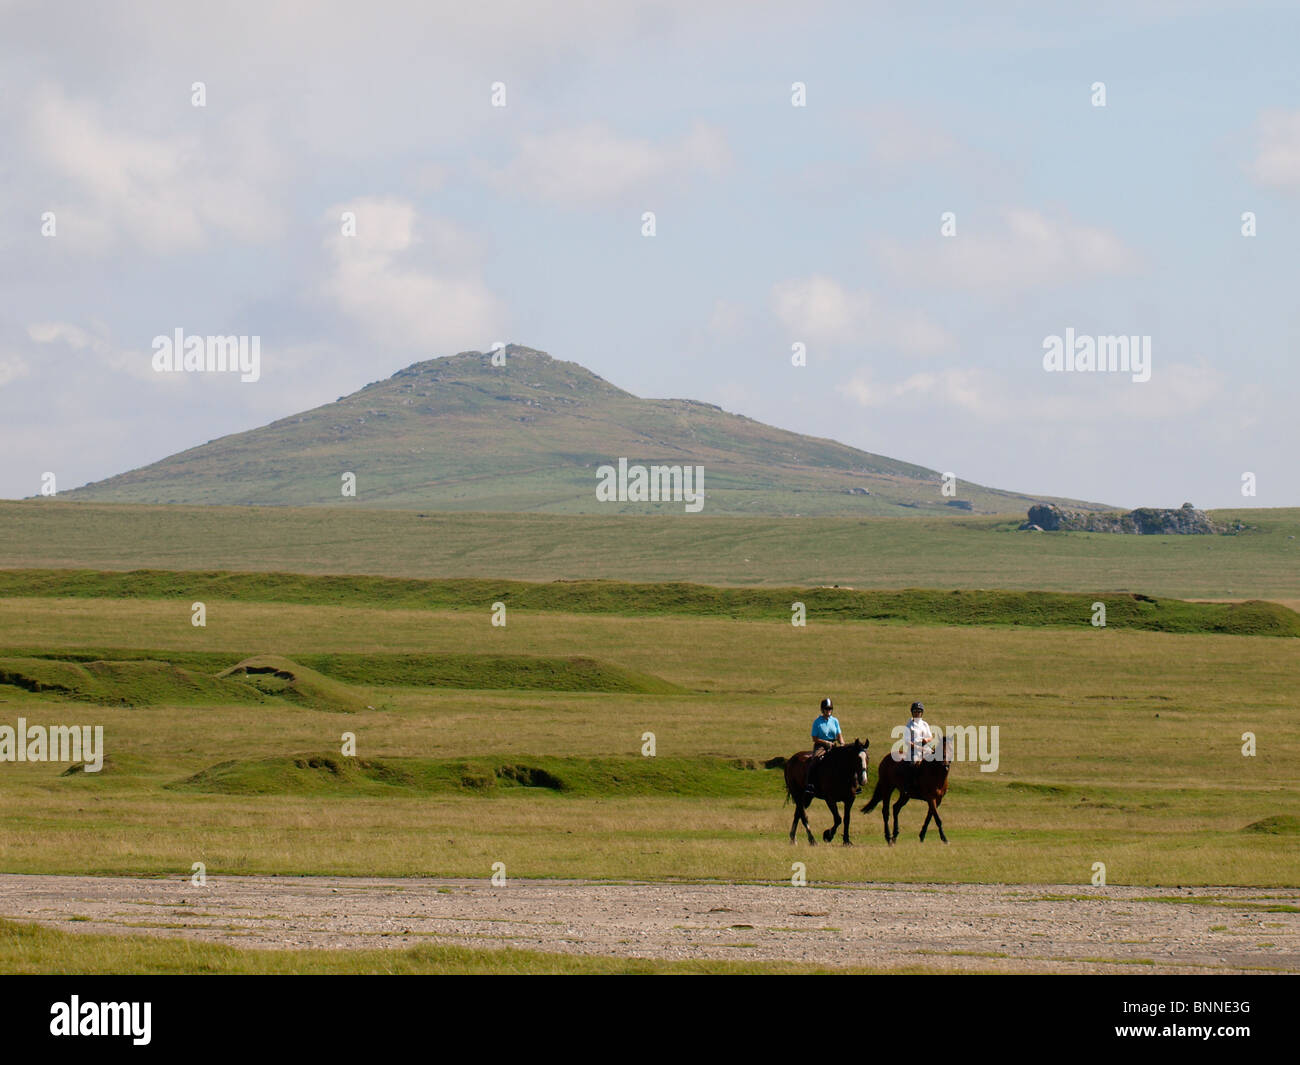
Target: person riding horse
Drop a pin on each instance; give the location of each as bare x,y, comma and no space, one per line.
825,735
917,739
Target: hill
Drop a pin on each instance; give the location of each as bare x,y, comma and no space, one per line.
459,433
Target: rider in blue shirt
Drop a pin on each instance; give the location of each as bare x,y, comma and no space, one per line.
825,735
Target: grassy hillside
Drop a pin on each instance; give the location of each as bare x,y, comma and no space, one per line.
458,433
916,606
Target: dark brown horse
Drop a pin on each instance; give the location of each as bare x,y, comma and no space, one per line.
930,785
838,777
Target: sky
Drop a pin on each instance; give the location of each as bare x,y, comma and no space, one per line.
948,191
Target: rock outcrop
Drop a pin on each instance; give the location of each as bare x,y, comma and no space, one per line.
1145,521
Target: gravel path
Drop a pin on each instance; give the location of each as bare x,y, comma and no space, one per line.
1011,928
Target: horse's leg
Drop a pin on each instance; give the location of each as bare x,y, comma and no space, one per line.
829,834
794,825
803,815
938,823
928,814
902,801
848,812
884,814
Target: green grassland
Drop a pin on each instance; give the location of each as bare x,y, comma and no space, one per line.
1260,562
1120,745
920,606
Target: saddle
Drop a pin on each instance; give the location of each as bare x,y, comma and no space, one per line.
815,766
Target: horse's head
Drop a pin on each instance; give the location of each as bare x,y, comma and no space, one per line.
859,749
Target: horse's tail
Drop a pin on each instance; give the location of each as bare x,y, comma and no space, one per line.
876,796
789,783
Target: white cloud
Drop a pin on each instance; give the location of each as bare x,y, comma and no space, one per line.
406,280
590,164
163,194
1176,390
72,335
1277,162
96,343
965,389
821,310
12,367
1032,250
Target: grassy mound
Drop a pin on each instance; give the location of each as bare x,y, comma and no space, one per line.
1280,825
461,671
915,606
356,777
285,679
142,682
510,672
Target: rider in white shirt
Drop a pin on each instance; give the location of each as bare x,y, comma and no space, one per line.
917,737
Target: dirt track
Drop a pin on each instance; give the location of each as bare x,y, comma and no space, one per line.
1013,928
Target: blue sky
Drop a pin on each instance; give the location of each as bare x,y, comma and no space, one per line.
775,224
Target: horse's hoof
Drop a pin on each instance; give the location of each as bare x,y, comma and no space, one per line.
848,843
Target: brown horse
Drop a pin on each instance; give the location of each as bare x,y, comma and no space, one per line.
930,786
838,777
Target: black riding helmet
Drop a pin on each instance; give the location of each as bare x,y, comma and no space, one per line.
826,704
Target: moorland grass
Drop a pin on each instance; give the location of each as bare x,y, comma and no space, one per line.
42,669
328,773
1116,745
913,606
126,683
923,552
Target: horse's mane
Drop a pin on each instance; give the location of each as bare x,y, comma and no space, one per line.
842,752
